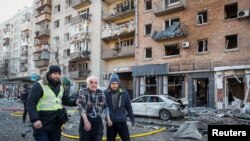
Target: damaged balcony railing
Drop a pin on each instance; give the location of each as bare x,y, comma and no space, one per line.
79,74
76,4
111,30
80,18
118,52
175,30
122,10
80,54
164,7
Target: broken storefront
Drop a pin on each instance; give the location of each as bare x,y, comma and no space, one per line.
232,85
154,79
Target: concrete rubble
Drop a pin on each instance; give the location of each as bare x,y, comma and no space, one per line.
188,130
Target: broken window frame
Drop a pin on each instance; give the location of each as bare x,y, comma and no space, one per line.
228,14
148,5
169,22
227,42
170,46
144,85
177,84
149,53
204,45
204,17
146,32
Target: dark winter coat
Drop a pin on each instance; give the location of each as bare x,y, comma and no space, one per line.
123,105
48,118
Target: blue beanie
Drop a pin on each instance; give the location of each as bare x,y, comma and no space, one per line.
114,78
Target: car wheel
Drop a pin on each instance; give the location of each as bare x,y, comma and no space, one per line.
164,114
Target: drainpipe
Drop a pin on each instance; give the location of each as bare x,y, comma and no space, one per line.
136,3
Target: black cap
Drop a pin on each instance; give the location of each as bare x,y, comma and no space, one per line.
54,68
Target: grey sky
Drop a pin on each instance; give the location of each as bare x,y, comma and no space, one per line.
9,8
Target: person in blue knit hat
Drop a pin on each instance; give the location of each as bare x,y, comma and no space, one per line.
119,103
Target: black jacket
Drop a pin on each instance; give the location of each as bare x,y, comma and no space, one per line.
123,105
24,94
48,118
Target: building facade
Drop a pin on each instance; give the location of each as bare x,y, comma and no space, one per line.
118,40
193,49
16,39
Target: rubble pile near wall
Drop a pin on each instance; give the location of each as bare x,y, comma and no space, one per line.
230,116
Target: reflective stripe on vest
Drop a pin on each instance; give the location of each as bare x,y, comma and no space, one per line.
49,101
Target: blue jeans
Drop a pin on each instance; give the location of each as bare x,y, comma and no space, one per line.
54,135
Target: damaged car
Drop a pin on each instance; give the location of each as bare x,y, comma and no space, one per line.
162,106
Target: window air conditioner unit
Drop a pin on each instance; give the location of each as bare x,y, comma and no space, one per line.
185,44
243,13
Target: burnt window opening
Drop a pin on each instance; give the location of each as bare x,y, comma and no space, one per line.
231,11
231,42
148,29
148,53
175,86
148,85
202,17
171,50
148,5
201,92
202,45
235,89
169,22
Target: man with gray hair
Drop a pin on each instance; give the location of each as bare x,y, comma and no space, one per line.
91,104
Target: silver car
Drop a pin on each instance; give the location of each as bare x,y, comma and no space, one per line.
162,106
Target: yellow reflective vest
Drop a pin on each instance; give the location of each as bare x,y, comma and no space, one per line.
49,101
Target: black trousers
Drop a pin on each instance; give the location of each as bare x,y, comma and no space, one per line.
24,111
118,127
54,135
96,132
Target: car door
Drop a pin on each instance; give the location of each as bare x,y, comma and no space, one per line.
154,104
139,105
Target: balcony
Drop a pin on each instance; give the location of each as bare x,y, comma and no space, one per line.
80,37
80,55
112,31
24,52
83,74
41,55
80,18
41,3
23,59
42,33
118,13
77,4
25,42
26,26
118,52
163,8
41,63
43,17
174,31
23,68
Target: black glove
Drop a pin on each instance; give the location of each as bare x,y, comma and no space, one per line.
133,123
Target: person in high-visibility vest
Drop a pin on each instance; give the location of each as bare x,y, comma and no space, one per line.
45,104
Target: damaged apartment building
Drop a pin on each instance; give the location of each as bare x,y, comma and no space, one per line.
193,49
